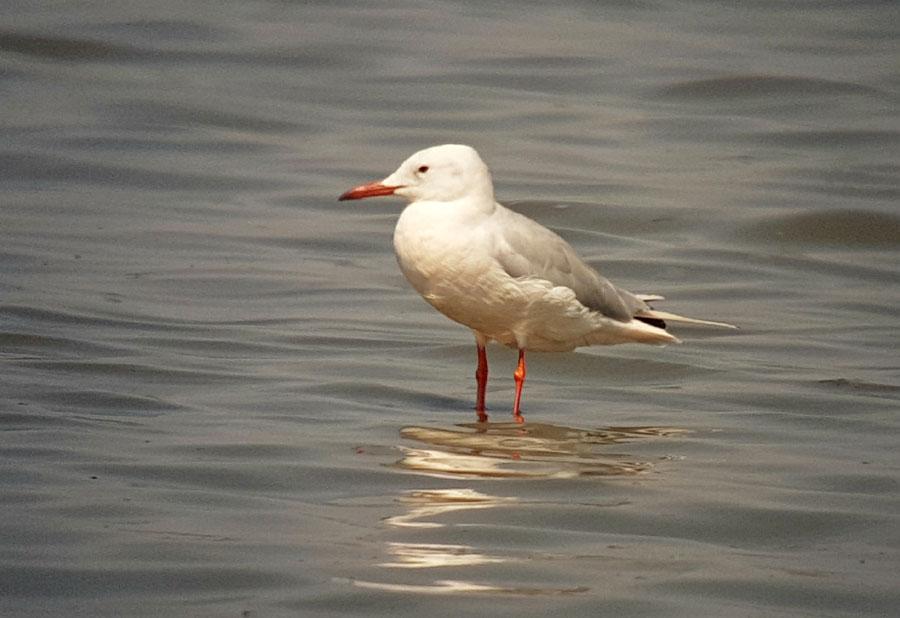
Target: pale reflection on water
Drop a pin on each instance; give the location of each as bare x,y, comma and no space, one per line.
450,586
429,555
491,451
433,502
509,450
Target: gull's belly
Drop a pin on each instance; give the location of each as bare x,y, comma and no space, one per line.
517,312
472,291
453,267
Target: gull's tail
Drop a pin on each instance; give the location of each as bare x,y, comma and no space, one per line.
652,314
665,316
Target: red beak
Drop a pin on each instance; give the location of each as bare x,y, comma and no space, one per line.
372,189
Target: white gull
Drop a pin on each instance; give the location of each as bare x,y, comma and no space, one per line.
503,275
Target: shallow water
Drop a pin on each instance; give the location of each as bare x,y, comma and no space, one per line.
219,398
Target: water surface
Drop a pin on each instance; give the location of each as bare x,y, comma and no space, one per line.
219,398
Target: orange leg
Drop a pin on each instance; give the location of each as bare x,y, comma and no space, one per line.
519,375
481,376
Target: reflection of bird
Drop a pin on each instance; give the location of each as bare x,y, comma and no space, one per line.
501,274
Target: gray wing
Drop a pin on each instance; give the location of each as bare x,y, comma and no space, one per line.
528,249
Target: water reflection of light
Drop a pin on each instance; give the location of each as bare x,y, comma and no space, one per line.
508,450
453,465
429,504
452,586
446,586
434,502
430,555
489,451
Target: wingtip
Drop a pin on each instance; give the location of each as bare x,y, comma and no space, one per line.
647,298
674,317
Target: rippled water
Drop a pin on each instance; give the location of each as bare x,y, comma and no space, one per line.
219,398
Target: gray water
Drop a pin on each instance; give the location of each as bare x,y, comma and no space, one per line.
219,397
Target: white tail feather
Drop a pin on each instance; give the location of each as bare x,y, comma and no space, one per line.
650,297
674,317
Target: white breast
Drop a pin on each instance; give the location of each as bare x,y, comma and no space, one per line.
448,255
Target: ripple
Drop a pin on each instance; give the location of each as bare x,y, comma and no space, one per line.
28,167
826,138
26,314
106,401
751,86
63,48
868,484
120,143
71,49
135,371
11,421
873,388
375,394
155,30
844,227
806,595
46,581
155,113
21,344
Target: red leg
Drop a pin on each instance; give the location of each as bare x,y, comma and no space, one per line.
519,375
481,376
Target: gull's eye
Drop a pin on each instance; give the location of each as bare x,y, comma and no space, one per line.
422,169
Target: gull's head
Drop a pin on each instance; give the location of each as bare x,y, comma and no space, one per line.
438,174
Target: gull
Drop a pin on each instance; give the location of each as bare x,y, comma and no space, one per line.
505,276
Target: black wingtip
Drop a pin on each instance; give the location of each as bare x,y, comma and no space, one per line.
652,322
